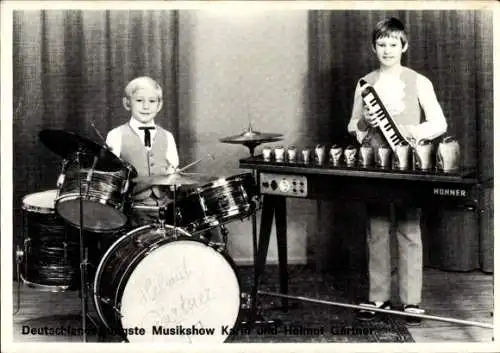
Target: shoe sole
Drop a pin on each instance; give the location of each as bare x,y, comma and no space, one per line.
365,318
413,324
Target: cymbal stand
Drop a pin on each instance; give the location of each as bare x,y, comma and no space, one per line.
251,147
254,316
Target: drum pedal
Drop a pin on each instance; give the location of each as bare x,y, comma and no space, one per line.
257,320
254,317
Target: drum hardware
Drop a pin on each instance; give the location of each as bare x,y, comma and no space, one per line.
60,180
162,217
86,184
220,246
107,301
126,185
224,233
19,259
251,139
83,250
163,213
252,315
385,311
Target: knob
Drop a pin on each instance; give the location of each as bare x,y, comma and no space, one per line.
274,185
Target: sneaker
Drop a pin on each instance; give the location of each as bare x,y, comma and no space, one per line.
412,320
367,315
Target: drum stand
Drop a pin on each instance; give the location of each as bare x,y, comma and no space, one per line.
162,212
84,187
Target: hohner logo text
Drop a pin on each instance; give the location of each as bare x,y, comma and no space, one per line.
450,192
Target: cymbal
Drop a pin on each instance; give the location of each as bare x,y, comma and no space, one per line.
179,179
250,136
66,144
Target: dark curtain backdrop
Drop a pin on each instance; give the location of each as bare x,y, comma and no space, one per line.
454,49
70,68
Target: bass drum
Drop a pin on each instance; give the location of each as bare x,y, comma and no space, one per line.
156,286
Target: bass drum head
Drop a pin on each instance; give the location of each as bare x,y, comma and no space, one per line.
182,291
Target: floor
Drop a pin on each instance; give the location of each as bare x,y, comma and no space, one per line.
466,296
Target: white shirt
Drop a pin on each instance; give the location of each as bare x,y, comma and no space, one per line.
435,124
114,140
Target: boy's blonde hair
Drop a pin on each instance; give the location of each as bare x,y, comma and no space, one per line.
390,27
141,82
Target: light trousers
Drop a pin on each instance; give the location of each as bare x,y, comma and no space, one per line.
406,224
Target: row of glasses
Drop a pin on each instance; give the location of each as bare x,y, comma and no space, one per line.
404,157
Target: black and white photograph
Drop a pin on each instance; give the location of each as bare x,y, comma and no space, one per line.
233,173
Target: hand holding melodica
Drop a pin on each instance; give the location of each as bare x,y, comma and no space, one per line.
370,116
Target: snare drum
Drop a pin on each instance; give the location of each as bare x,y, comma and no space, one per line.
150,280
230,198
104,195
51,251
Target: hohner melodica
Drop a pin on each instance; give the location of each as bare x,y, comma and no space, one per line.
386,125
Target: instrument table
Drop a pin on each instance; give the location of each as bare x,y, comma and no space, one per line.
325,182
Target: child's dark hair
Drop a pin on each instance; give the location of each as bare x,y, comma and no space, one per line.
388,28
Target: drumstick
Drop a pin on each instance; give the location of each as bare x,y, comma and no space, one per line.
193,163
97,132
145,207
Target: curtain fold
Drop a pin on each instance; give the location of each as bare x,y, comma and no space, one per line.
70,69
454,50
484,97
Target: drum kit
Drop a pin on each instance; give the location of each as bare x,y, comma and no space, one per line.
165,274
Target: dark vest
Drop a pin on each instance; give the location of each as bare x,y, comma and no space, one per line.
411,115
146,162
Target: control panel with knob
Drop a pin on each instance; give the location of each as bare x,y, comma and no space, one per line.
283,184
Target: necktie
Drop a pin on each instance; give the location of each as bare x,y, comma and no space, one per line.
147,135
